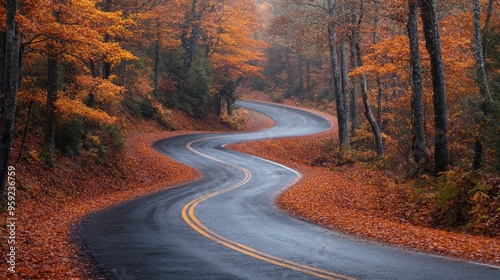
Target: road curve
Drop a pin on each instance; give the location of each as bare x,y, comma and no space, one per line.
225,225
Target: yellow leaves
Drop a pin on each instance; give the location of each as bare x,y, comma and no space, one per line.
71,103
68,109
234,49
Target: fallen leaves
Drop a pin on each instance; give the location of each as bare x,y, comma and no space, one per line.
359,200
51,201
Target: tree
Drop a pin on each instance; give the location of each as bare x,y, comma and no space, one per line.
11,68
342,115
484,89
368,111
433,45
419,152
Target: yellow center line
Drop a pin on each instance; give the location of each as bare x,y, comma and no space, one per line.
190,218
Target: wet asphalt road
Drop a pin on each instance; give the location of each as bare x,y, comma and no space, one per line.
225,225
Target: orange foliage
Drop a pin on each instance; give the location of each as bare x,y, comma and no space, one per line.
361,200
54,200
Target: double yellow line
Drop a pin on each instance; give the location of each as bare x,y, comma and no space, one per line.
190,218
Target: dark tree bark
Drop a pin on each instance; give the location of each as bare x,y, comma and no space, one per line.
288,69
380,90
356,21
345,82
25,130
157,61
339,95
190,42
481,78
478,53
217,103
380,97
300,62
368,111
487,22
395,85
10,83
308,76
433,45
419,152
50,115
229,104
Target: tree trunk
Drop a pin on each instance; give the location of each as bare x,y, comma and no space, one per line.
217,101
229,103
478,53
395,93
345,82
354,81
157,62
50,116
301,76
433,45
339,95
368,111
354,93
481,77
25,130
288,69
308,76
11,67
487,21
419,151
380,90
380,97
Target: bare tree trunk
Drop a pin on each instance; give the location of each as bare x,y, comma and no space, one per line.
368,111
25,130
354,94
157,61
339,95
345,82
433,45
478,53
380,97
301,76
217,103
229,104
288,69
419,151
481,77
50,115
487,22
380,94
395,85
308,76
11,68
356,21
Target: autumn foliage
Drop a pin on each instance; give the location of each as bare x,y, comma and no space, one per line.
359,199
455,159
98,77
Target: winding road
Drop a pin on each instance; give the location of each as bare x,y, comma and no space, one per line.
225,225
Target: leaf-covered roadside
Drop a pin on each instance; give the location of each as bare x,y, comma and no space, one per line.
361,200
52,201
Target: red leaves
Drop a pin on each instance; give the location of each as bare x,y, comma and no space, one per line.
52,201
362,201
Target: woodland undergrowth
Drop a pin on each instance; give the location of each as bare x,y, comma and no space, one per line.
365,197
51,201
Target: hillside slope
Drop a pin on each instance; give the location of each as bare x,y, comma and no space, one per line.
51,200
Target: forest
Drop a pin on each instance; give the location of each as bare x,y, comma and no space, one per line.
414,85
76,69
